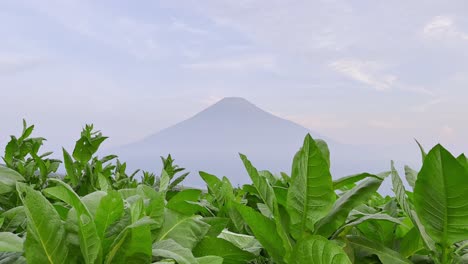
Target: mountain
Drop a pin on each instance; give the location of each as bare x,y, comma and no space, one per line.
211,140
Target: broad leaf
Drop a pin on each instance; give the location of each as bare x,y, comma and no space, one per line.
318,250
185,230
8,179
386,255
347,202
222,248
10,242
242,241
310,195
90,243
268,196
440,197
46,239
400,195
264,230
171,250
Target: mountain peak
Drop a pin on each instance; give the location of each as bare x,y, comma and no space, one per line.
234,101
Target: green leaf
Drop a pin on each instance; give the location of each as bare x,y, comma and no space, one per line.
46,240
216,246
120,241
70,168
242,241
10,242
310,195
386,255
210,260
268,196
171,250
318,250
8,179
185,230
352,179
110,209
400,195
440,197
180,202
164,181
264,230
90,243
322,145
347,202
411,176
423,153
463,160
377,216
411,243
217,224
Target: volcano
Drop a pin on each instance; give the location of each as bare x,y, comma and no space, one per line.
212,139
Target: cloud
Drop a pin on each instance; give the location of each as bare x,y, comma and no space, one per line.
374,75
425,106
443,27
121,32
244,63
367,72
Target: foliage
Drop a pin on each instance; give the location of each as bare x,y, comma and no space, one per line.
96,212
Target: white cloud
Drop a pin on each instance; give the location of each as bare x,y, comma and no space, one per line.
367,72
120,32
443,27
425,106
244,63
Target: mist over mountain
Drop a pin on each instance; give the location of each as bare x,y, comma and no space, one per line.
212,139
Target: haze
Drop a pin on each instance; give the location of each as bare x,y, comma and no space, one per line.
362,72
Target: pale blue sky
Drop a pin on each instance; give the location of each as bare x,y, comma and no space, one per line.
375,72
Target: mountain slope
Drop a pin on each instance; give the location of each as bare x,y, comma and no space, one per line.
212,139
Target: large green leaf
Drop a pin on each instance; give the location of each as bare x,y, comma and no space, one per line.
264,230
210,260
242,241
268,196
400,195
185,230
180,202
347,202
352,179
440,197
170,249
90,243
386,255
318,250
10,242
46,239
310,195
110,209
222,248
121,241
8,179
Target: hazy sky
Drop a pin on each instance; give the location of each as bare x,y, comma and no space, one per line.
357,71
